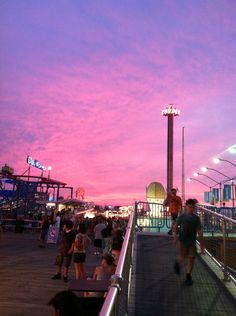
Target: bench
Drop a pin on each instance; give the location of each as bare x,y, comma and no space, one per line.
90,305
89,285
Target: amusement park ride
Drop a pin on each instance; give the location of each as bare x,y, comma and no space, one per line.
26,191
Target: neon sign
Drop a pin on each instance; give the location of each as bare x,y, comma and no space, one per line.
35,163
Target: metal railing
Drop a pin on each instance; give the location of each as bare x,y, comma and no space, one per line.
219,237
28,225
116,301
152,215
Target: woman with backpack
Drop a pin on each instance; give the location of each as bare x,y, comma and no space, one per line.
79,252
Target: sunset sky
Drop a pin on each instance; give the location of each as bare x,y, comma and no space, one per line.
83,84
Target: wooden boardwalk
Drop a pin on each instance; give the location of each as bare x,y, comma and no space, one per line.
25,275
156,290
26,285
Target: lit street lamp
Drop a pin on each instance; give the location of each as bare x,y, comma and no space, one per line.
218,160
49,171
206,185
204,169
196,174
202,174
232,149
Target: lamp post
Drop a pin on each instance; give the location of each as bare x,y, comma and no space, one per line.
232,149
202,174
193,179
170,112
49,171
218,160
204,169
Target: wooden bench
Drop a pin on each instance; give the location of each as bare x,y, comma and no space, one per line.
90,305
89,285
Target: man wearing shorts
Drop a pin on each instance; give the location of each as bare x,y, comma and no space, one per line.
189,226
175,206
65,251
98,236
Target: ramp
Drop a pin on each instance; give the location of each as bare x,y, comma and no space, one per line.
156,290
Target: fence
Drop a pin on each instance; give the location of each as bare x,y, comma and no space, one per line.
26,224
152,215
219,236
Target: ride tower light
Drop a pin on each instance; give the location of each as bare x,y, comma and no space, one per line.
170,112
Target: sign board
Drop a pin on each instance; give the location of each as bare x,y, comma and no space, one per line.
35,163
53,234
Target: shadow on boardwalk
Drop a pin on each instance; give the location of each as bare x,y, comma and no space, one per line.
156,290
25,275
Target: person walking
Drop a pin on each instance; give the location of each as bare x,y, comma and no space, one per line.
189,225
65,251
44,232
79,252
175,206
98,235
107,236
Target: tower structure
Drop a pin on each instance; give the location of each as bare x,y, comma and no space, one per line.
170,112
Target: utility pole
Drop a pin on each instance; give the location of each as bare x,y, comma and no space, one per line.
183,167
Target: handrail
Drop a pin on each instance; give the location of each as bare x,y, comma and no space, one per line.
222,258
121,261
228,219
219,264
116,279
109,301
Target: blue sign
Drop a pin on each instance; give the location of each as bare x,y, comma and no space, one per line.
227,192
215,194
207,197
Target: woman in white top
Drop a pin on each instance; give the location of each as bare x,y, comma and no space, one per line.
79,252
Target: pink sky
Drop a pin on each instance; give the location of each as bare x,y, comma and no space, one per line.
83,84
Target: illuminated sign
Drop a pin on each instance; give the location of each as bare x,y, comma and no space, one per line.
35,163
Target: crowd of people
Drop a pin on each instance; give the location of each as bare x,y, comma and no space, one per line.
79,234
107,238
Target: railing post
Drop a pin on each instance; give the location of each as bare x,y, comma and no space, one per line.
135,213
226,277
116,281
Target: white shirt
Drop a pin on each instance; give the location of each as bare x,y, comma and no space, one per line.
98,229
